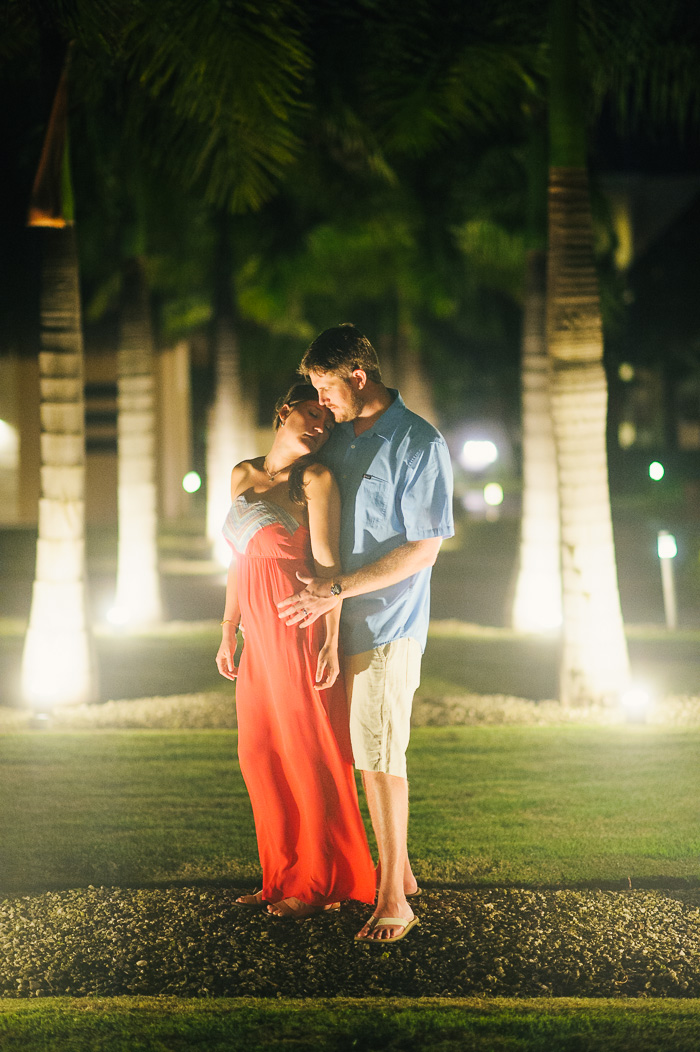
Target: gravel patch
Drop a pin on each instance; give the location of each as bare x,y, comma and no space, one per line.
504,942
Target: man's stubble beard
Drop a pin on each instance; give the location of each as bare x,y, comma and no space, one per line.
352,410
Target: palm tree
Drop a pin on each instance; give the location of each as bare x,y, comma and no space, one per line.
58,665
138,599
594,662
537,598
232,414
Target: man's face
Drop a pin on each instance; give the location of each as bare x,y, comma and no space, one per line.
340,394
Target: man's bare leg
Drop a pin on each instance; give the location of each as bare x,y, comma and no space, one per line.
387,799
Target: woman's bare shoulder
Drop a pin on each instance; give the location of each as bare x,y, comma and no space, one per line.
318,480
242,476
318,473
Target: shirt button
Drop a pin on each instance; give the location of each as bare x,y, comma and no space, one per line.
352,447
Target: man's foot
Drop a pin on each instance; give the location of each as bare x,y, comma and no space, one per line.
295,909
386,929
251,900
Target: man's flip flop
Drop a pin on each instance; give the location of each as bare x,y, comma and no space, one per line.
386,922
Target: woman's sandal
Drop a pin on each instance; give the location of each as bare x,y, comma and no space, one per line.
298,912
256,901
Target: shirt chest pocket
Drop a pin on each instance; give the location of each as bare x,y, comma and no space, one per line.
374,496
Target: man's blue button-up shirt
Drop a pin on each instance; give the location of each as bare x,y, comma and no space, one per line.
395,482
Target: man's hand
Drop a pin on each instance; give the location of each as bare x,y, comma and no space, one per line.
307,606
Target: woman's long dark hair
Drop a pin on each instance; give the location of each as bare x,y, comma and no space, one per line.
297,393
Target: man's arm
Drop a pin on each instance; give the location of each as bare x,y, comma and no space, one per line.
315,600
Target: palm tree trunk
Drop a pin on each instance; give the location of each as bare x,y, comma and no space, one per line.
413,381
58,666
230,431
594,663
138,599
232,415
537,601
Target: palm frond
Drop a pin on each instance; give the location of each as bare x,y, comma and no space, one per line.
230,75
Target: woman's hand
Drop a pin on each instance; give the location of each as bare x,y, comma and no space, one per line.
225,656
327,667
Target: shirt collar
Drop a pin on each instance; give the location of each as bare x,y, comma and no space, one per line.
389,420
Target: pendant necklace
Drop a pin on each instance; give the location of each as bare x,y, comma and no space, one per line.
272,475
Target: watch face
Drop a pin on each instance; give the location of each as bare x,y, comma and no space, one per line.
336,589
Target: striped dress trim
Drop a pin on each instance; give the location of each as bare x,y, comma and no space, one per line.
245,518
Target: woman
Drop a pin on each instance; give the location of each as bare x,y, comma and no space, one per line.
293,737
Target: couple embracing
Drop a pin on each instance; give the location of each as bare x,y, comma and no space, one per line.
346,512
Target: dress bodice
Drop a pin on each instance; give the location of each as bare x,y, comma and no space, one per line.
275,532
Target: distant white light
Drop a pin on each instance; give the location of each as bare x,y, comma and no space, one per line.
656,471
626,434
626,372
478,454
191,482
666,545
118,616
493,494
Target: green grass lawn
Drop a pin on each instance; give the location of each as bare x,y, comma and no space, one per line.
341,1025
490,805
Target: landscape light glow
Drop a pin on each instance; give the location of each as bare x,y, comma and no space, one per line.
9,439
668,550
222,552
493,494
118,616
55,670
191,482
666,545
478,454
656,471
636,703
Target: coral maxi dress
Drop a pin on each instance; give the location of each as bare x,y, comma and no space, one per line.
293,740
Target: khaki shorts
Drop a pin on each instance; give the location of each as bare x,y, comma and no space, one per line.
380,685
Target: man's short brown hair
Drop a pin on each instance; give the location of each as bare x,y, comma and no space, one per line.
341,349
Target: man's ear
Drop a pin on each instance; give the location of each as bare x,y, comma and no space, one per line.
284,412
360,378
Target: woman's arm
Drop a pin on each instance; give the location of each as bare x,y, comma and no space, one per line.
232,611
229,625
323,504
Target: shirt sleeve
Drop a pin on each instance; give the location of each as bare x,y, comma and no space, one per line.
426,502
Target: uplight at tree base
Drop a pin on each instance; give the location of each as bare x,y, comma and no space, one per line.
118,616
537,608
636,703
222,552
56,669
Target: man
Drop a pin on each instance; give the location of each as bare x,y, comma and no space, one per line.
395,479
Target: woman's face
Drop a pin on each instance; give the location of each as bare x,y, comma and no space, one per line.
309,423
